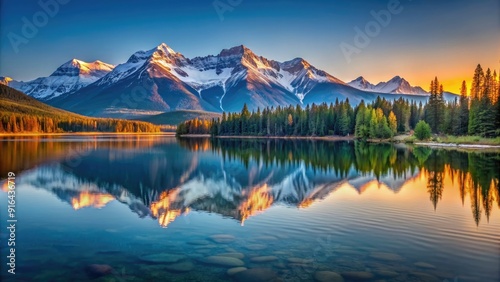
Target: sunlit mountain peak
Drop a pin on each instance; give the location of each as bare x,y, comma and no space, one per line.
88,199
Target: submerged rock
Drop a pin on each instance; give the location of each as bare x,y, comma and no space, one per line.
424,265
263,259
280,253
232,255
386,273
162,258
180,267
299,260
98,270
256,275
357,275
386,256
328,276
222,261
425,276
280,265
222,238
255,247
234,270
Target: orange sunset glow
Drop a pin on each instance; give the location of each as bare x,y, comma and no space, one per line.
257,201
163,211
88,199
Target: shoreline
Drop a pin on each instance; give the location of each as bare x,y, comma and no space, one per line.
326,138
395,140
457,146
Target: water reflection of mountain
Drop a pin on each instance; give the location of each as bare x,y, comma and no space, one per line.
238,179
22,153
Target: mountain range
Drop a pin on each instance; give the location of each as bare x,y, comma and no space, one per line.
163,80
396,85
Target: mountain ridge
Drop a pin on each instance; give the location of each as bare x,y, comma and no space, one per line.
396,85
67,78
162,80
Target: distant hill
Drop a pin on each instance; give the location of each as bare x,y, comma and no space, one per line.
20,113
176,117
16,102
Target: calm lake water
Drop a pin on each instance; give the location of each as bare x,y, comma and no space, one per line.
155,208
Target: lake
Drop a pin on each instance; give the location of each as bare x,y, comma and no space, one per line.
155,208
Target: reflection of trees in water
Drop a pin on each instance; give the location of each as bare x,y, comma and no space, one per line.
483,187
340,157
31,151
147,166
435,187
477,175
473,173
435,169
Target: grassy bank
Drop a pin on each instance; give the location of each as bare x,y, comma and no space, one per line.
456,140
475,140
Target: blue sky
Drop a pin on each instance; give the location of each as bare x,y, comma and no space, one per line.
425,38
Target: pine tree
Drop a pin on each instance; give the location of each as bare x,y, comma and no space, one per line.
414,115
343,120
434,110
497,119
477,83
393,124
245,116
463,112
361,127
485,116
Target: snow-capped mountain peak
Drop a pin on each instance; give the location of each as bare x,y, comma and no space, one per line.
69,77
160,51
166,49
361,83
162,56
5,80
396,85
76,67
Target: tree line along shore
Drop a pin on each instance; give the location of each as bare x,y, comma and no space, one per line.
473,117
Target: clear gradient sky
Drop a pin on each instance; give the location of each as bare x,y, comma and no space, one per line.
447,38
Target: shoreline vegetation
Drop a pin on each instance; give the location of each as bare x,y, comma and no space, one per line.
469,143
20,113
471,120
